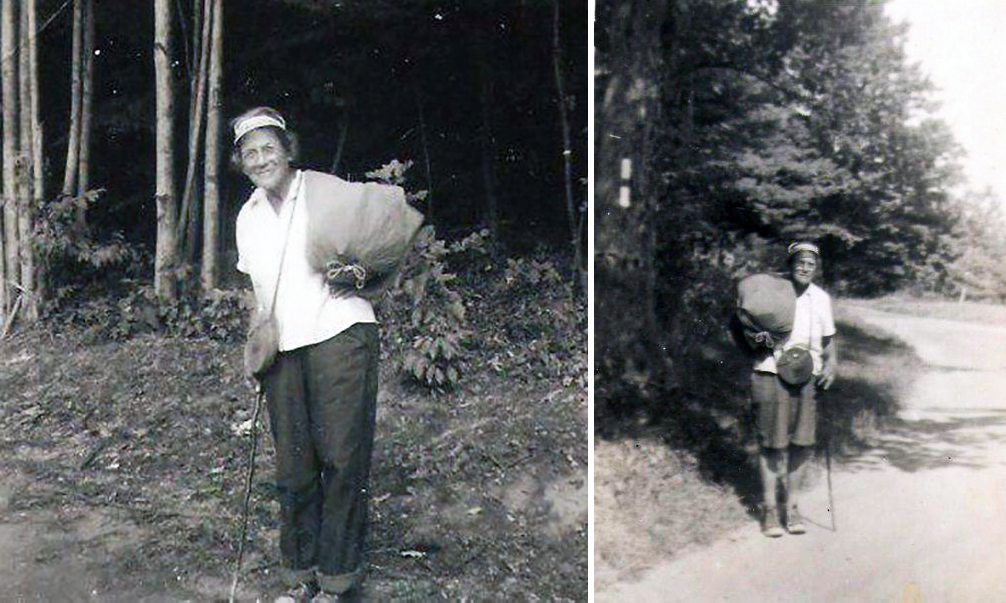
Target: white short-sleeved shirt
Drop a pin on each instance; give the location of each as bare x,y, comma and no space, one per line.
306,312
812,321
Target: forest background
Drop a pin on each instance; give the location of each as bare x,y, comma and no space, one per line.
466,92
750,124
123,314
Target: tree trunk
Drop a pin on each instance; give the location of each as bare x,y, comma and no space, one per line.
195,136
211,193
426,152
343,132
487,143
87,99
166,251
567,148
26,210
8,74
38,190
192,63
626,108
73,144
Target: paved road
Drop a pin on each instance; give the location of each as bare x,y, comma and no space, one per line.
922,517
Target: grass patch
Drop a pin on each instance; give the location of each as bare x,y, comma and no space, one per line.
678,469
978,312
651,502
875,371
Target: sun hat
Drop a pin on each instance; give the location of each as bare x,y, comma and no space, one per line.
799,246
243,126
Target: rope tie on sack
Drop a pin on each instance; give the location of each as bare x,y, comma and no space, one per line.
765,338
337,270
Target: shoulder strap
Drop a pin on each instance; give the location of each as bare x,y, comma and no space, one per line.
282,256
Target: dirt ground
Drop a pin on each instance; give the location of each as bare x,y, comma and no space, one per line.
918,517
122,468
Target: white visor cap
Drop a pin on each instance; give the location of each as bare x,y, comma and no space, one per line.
244,126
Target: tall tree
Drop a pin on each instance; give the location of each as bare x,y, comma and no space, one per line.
188,215
86,102
8,74
417,92
486,137
73,144
211,192
567,147
38,184
166,254
25,176
626,115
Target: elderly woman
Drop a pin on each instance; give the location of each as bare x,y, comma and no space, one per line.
321,388
786,412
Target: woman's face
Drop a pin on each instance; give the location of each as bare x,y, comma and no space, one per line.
264,160
803,268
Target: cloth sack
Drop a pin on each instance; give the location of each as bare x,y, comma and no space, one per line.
356,232
766,304
795,366
262,344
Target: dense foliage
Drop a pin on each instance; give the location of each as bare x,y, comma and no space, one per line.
750,125
465,90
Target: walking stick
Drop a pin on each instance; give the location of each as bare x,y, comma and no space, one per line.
827,464
829,426
260,395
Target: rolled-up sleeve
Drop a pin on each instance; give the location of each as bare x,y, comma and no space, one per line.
239,230
827,318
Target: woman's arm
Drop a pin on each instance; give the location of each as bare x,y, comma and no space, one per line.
829,358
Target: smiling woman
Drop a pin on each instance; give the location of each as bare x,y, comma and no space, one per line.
266,144
317,364
784,389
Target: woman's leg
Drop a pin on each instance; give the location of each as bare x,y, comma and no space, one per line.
800,451
772,466
343,395
795,478
296,468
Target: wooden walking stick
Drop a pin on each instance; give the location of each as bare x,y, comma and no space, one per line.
828,427
260,395
827,464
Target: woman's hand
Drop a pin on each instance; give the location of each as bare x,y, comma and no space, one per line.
829,365
372,291
827,376
764,339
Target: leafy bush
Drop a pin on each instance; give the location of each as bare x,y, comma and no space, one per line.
428,326
71,258
532,322
529,320
220,315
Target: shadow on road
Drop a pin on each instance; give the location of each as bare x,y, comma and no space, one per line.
955,439
705,410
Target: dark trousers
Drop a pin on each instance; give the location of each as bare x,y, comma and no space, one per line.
322,402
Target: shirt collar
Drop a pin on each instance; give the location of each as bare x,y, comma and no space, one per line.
259,196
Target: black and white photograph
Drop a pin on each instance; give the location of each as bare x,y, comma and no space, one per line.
294,300
799,245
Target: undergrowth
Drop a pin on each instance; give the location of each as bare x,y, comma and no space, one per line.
454,311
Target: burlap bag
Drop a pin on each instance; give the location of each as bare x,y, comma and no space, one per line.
766,304
357,232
